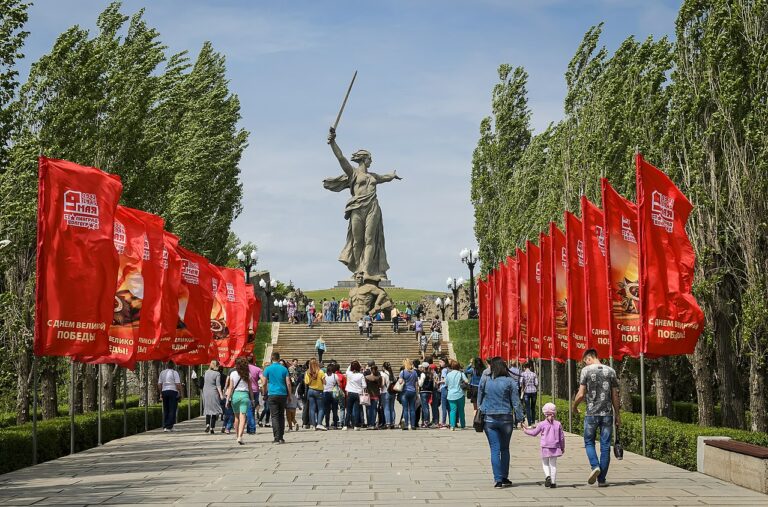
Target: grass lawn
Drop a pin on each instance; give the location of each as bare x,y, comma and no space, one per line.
399,296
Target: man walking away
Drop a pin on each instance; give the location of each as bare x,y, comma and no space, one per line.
278,388
169,385
600,387
530,385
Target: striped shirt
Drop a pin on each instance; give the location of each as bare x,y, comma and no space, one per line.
530,382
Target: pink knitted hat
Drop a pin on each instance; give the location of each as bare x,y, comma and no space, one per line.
549,409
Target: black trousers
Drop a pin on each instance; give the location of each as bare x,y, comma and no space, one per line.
277,411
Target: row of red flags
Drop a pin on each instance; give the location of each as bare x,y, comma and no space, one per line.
617,280
114,287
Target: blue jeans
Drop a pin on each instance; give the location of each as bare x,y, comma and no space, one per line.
387,401
228,416
498,431
170,404
309,319
354,414
345,315
603,423
529,402
251,417
316,407
331,406
409,408
425,407
372,412
444,405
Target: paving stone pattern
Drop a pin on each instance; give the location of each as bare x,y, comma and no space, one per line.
359,468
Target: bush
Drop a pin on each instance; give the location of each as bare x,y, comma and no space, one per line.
53,434
668,441
465,339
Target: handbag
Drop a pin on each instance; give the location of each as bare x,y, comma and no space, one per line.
618,449
479,421
365,399
399,385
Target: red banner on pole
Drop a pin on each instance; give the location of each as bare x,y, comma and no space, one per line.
195,304
512,313
577,311
534,300
482,292
230,336
622,269
150,294
523,348
596,279
250,298
76,259
547,321
671,318
498,278
504,311
559,293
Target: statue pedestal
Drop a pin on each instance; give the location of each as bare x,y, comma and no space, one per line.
368,297
351,283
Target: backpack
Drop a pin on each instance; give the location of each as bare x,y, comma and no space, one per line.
337,393
429,381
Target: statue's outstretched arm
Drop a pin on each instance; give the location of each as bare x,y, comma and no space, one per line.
384,178
343,162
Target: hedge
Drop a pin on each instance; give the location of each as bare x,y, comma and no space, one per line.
9,418
464,337
667,441
53,434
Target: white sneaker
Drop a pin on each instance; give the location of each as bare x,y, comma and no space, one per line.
165,430
321,427
357,429
343,428
593,475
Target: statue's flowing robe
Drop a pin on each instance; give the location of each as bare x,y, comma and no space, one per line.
373,261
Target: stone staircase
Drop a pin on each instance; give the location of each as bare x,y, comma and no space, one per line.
344,343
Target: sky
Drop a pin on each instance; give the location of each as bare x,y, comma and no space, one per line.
426,69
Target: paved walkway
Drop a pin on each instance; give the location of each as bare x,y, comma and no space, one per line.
346,468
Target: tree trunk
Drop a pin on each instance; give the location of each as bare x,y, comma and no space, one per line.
107,377
154,374
663,387
143,372
702,376
24,386
89,388
757,404
49,401
561,379
731,392
78,401
625,385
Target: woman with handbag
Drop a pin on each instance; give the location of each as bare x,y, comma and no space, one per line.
355,387
373,388
212,396
456,383
388,393
331,394
240,395
409,389
499,402
315,381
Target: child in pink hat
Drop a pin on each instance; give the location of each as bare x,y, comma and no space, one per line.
552,443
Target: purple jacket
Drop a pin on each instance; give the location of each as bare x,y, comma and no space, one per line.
552,437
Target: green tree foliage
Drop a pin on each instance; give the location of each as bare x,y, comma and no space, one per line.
116,101
697,108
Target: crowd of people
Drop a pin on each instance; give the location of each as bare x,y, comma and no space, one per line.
431,394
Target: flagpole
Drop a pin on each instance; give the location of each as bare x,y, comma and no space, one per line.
642,397
34,410
72,407
552,372
200,391
125,402
146,395
189,392
570,403
538,396
98,395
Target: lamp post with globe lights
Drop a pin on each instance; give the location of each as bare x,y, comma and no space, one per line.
268,288
247,262
442,304
455,284
470,258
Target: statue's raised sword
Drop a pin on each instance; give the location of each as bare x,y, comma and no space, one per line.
338,117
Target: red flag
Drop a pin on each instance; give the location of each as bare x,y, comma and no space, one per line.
672,319
577,311
622,269
195,303
559,293
492,312
522,342
512,308
595,279
488,323
498,278
504,313
76,259
250,298
230,335
534,303
547,325
124,329
169,304
149,293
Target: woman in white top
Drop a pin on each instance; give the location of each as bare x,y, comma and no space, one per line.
240,395
331,403
355,387
388,397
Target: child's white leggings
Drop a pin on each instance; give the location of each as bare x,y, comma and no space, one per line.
550,468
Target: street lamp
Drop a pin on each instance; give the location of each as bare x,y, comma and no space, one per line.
280,305
268,288
455,284
442,304
470,258
247,262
